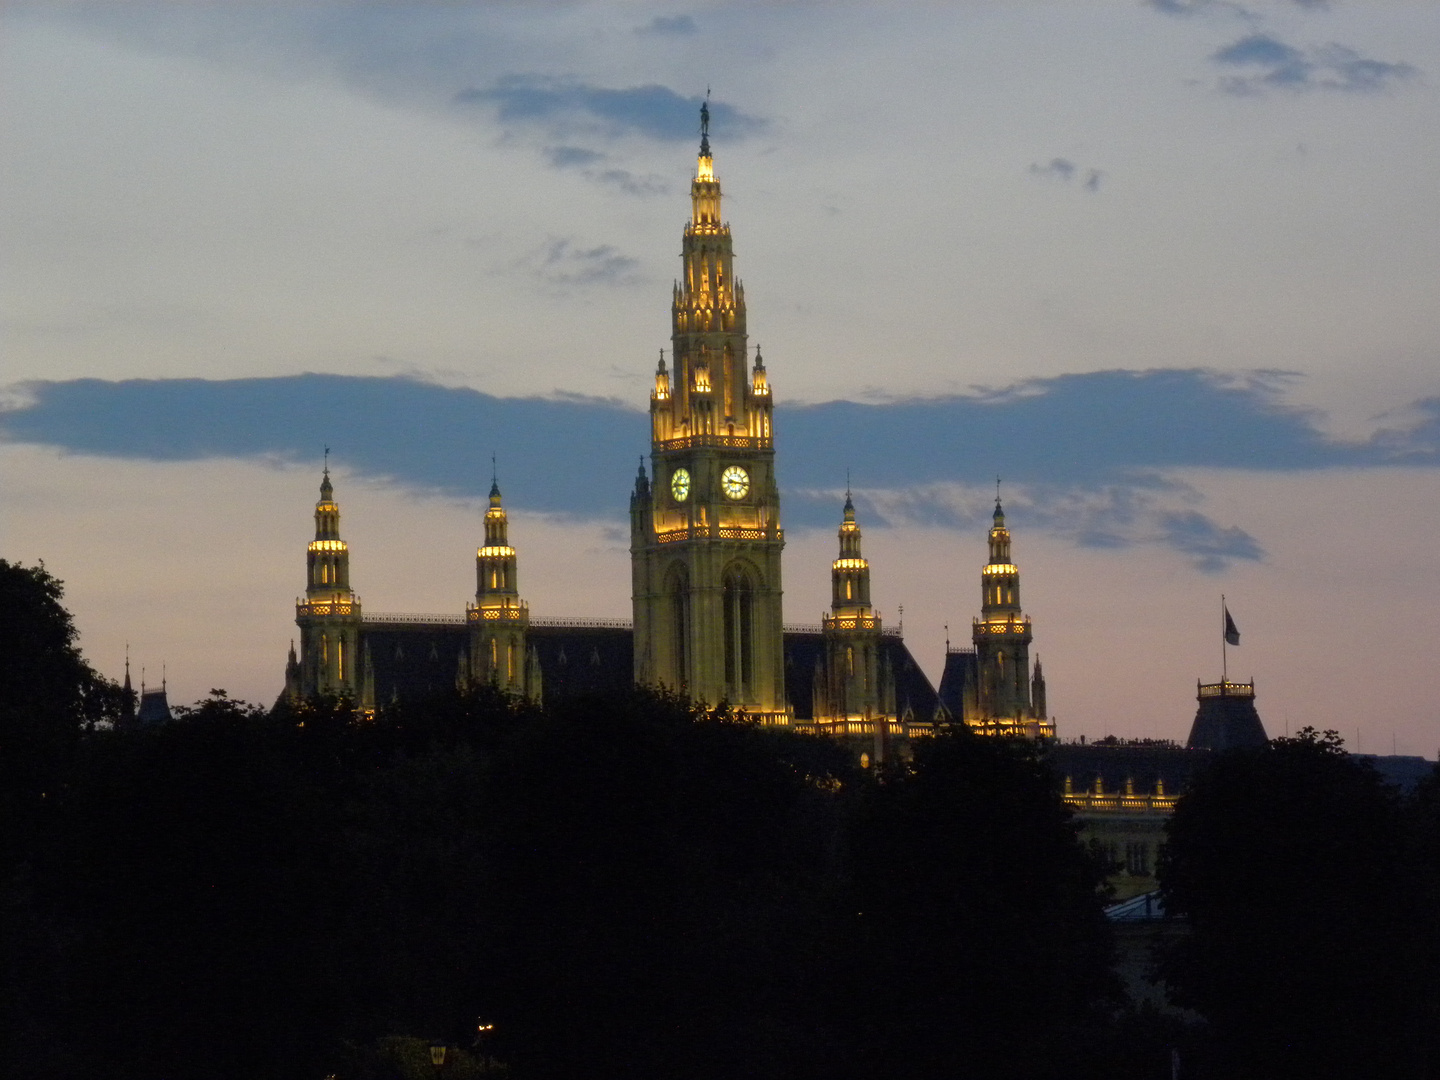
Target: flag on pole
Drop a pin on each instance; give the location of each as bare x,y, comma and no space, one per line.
1232,632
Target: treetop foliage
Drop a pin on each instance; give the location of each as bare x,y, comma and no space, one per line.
1309,888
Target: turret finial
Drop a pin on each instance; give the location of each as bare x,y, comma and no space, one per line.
705,125
999,512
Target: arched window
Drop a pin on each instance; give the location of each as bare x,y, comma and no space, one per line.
739,609
494,656
850,661
510,663
678,589
340,659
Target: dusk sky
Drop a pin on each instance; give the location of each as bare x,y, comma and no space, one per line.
1170,268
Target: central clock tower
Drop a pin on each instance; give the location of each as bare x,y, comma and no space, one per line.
705,537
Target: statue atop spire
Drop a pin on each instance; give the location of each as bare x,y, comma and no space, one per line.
705,125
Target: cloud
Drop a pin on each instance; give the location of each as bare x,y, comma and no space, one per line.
1064,170
1211,547
1204,7
1060,168
1192,7
1271,64
651,111
1093,458
568,157
560,262
669,25
587,163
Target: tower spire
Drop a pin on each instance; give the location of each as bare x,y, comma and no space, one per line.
1006,700
498,618
329,613
854,694
706,537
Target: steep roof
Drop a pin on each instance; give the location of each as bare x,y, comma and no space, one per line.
805,648
1226,720
961,675
415,660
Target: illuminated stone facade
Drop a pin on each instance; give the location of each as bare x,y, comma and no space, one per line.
706,545
705,538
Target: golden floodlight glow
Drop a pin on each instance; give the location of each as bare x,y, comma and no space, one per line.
1000,568
495,552
705,169
850,564
327,545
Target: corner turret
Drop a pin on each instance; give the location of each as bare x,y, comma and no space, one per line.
1004,700
498,619
854,692
329,614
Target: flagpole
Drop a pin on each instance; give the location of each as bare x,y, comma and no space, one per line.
1224,642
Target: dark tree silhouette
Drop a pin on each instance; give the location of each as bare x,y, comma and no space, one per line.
1304,952
48,693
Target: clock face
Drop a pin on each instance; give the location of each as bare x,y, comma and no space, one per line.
735,482
680,484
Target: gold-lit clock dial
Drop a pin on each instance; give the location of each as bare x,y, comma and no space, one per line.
680,484
735,482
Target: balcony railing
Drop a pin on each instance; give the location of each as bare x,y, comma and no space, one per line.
1225,689
735,442
722,532
817,628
